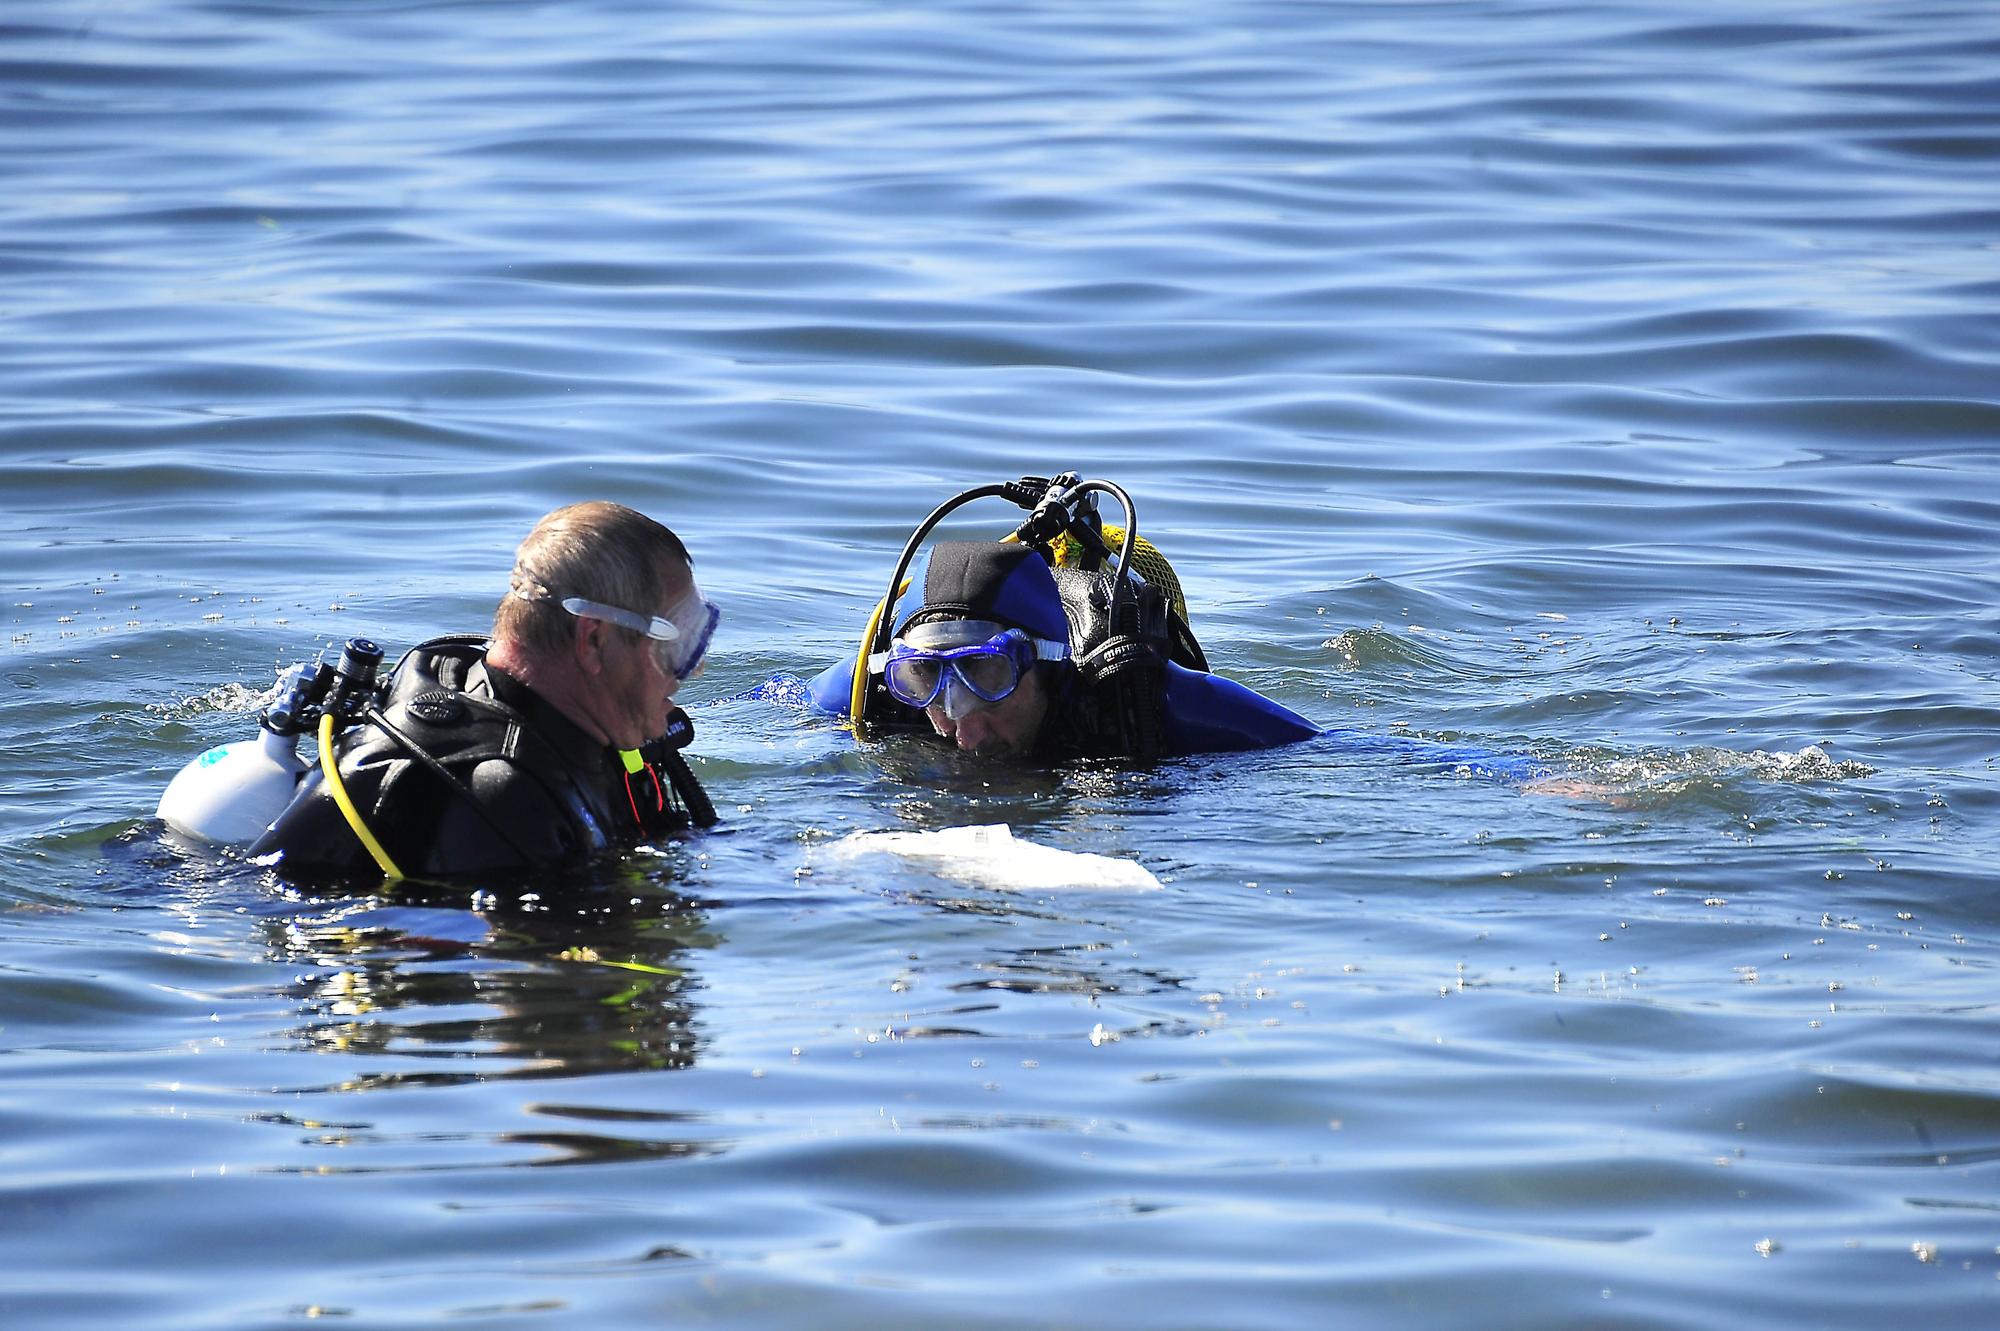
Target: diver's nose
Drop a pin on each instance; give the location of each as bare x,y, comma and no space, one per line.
958,701
971,730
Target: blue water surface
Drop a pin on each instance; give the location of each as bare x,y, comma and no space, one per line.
1609,384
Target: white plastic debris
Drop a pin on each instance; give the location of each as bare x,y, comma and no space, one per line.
992,856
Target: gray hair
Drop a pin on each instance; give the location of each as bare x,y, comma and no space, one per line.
598,550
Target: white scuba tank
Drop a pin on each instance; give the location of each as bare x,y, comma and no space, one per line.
231,793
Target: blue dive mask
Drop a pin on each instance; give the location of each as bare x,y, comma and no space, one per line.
959,656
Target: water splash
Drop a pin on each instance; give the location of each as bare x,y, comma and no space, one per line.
1670,772
233,698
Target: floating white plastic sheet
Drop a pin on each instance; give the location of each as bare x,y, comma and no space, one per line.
992,856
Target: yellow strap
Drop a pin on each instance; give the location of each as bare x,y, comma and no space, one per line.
633,762
860,690
338,790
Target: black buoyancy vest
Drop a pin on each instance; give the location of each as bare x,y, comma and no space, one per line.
453,731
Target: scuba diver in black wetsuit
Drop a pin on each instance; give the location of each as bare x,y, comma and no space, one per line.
557,738
1067,639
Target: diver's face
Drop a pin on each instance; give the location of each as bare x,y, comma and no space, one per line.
638,691
1005,729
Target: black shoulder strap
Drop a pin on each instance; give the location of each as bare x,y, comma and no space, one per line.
428,688
373,715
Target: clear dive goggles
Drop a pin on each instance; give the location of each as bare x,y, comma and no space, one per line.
954,658
680,637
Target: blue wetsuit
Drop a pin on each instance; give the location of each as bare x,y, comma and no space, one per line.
1206,713
1203,713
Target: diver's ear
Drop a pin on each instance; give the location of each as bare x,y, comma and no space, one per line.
587,645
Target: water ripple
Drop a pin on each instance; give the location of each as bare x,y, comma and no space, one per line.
1609,384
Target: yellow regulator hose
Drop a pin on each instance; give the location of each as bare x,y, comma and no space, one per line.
338,790
860,690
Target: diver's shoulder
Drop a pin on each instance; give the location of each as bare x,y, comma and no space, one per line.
1207,712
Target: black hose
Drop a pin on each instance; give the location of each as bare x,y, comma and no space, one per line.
1131,521
885,628
701,810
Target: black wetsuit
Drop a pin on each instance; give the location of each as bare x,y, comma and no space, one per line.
527,788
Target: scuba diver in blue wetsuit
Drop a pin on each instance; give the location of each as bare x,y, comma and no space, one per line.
1068,638
998,660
